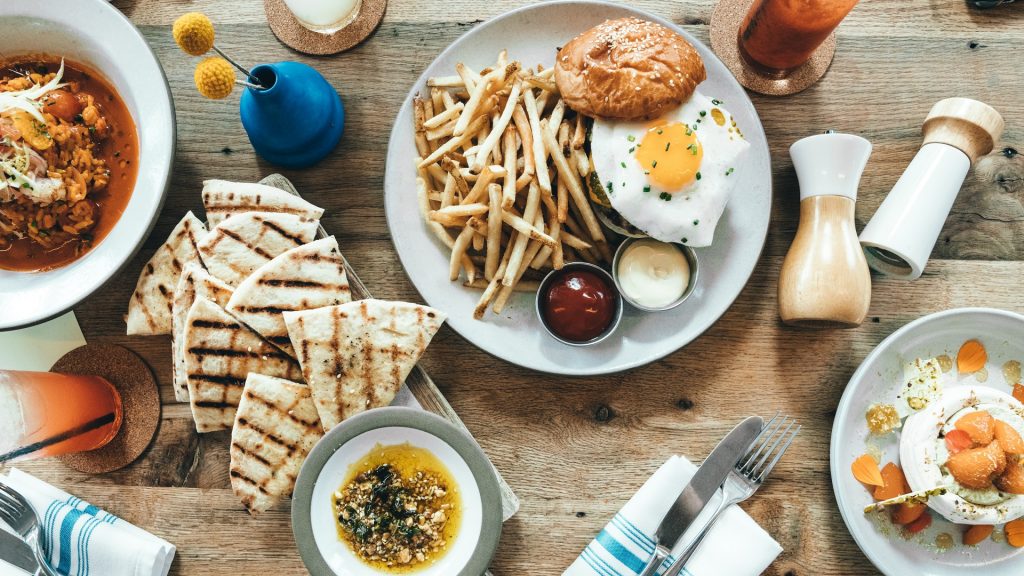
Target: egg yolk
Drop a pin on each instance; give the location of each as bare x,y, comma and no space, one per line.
670,154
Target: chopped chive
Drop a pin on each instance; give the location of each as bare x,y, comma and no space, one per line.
647,188
631,149
667,144
698,175
684,240
696,222
654,163
665,196
688,131
631,138
660,131
729,171
609,187
623,184
703,113
623,164
716,101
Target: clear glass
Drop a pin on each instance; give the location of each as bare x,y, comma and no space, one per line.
778,36
48,414
324,16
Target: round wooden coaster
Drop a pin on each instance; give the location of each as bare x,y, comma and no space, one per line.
725,26
291,33
140,399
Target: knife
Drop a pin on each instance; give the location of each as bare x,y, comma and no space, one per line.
705,482
17,552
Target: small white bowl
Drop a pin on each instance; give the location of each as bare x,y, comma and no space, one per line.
96,34
691,258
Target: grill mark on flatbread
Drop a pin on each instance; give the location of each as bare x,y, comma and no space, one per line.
285,283
281,340
215,405
281,231
289,447
241,476
199,323
215,379
254,455
336,317
266,309
232,209
238,238
228,353
282,411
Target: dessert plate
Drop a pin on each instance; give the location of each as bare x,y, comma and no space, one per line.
532,35
876,381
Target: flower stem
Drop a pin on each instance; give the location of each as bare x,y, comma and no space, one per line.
247,73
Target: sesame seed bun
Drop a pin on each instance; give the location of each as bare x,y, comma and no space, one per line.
626,69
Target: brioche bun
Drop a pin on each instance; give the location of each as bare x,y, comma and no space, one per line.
627,69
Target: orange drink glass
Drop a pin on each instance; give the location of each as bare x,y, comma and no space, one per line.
49,414
778,36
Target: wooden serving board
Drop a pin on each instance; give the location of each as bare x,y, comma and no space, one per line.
418,382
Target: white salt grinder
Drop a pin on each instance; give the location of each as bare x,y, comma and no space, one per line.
900,236
825,281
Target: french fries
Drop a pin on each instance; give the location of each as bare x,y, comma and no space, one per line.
503,178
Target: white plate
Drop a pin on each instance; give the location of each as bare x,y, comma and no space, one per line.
97,34
531,35
877,380
327,465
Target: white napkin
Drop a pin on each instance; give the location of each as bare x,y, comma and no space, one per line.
82,540
37,347
736,545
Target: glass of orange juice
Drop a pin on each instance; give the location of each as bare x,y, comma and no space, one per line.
49,414
778,36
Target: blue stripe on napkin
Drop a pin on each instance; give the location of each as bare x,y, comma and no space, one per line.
600,566
67,525
620,552
643,541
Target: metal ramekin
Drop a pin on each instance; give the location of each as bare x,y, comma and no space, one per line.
691,259
569,267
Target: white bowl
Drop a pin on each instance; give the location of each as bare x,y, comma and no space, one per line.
96,34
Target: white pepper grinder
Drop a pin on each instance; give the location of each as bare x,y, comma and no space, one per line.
901,235
825,280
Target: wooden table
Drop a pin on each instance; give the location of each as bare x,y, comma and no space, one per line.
575,449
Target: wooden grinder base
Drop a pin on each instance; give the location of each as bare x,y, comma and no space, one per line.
140,399
725,26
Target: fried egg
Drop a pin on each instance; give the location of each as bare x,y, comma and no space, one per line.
672,176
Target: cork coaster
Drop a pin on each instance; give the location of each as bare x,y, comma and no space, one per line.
725,26
139,397
295,35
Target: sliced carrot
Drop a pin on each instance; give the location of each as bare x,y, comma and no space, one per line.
971,358
924,521
908,512
1018,392
979,425
865,470
894,483
1015,533
958,440
977,534
1009,439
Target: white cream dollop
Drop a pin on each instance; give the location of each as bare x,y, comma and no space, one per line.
923,455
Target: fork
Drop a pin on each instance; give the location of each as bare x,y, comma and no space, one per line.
22,517
746,477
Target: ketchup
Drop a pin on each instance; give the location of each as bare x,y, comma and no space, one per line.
579,305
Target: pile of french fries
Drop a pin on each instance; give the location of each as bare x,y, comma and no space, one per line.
501,180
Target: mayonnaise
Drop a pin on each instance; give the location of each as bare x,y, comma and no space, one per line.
653,274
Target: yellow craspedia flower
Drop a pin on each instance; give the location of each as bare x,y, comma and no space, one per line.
194,33
215,78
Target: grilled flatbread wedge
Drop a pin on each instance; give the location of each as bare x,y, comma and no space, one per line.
357,355
149,310
223,199
195,282
219,355
310,276
275,427
244,242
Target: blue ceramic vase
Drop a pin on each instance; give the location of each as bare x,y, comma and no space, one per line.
297,119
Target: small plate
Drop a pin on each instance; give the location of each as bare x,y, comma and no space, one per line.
532,34
313,522
877,380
